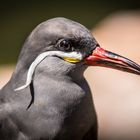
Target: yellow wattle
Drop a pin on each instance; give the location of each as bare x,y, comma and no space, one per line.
71,60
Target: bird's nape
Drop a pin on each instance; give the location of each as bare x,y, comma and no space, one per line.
104,58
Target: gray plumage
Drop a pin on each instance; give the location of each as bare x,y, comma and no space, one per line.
63,108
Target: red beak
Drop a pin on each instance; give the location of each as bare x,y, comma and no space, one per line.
104,58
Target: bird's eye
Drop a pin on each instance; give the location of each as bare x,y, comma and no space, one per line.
65,45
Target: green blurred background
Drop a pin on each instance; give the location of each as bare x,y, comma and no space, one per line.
18,18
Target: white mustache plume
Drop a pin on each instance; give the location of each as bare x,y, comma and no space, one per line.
40,58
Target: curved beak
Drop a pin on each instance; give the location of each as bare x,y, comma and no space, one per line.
104,58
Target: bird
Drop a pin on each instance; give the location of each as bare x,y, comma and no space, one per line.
47,97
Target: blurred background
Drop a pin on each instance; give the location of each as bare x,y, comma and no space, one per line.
116,26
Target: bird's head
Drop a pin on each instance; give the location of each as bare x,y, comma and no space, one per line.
60,43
